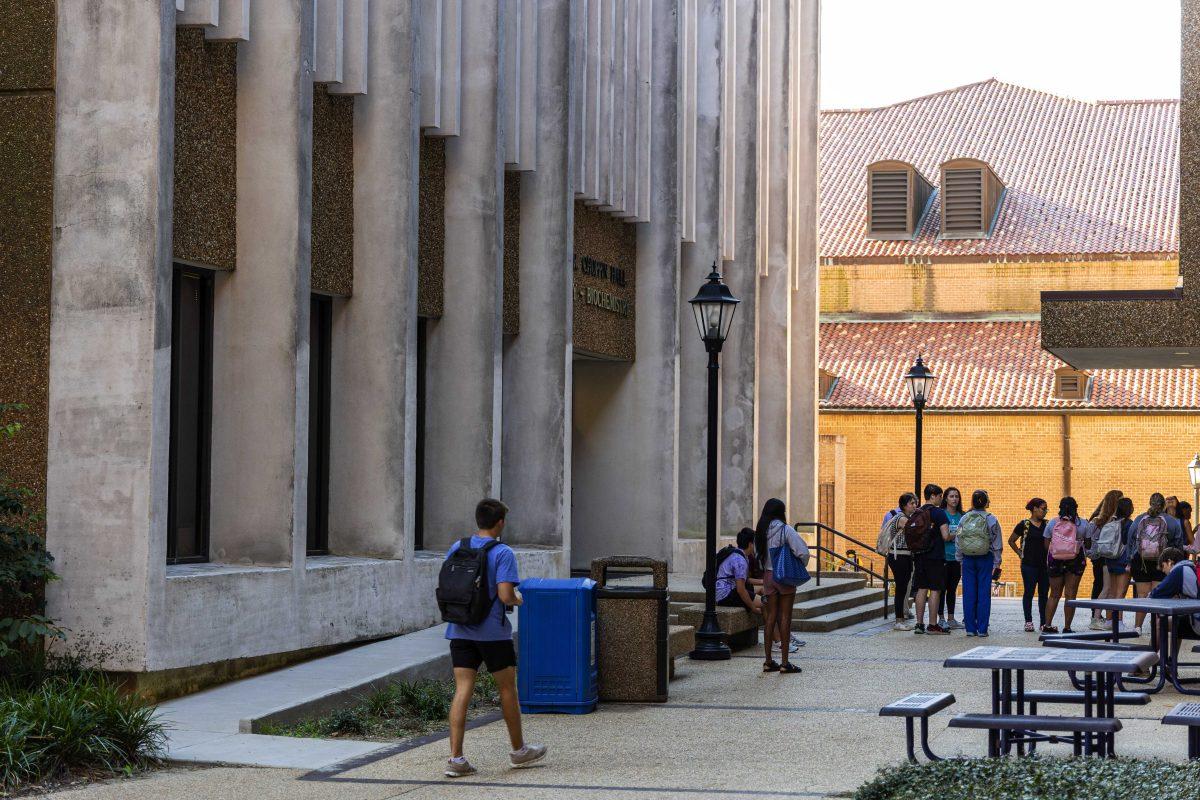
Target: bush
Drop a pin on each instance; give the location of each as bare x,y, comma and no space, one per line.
73,721
1036,779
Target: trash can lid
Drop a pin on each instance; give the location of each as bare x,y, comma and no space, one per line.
557,584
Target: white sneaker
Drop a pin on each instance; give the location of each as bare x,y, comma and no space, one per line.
793,645
953,624
458,769
1098,624
528,754
902,625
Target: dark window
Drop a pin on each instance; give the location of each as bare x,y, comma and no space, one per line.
419,487
191,411
319,349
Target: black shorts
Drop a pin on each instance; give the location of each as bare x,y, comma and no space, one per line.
929,571
1142,571
469,654
1059,569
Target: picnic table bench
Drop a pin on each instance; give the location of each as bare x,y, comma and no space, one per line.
1187,714
1163,635
921,705
1093,734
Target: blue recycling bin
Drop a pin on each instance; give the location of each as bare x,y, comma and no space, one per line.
556,670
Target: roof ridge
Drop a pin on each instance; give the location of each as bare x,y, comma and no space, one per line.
941,92
938,93
1149,101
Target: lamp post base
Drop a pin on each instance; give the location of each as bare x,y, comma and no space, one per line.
710,642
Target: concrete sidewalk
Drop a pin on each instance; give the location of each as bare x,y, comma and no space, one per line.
216,726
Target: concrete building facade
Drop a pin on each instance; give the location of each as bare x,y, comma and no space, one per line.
300,281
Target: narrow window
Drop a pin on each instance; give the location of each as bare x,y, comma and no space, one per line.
319,349
419,478
971,197
191,410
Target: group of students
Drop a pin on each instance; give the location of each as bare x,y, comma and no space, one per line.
931,548
746,578
934,547
1123,549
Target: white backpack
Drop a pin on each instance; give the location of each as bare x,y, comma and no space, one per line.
1108,541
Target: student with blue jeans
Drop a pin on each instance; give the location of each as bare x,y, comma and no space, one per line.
978,571
489,642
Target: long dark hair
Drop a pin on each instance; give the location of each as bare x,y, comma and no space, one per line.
1068,508
946,494
773,509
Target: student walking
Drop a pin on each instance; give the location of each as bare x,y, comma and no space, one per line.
979,548
929,557
1105,512
1153,532
892,545
1065,536
772,534
487,640
1028,543
952,504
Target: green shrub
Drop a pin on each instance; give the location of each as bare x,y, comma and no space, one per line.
79,721
1036,779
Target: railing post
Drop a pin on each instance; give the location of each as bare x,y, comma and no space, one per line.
885,587
818,555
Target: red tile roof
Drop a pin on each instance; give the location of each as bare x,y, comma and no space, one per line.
979,365
1081,177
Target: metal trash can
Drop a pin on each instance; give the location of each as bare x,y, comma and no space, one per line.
631,633
556,670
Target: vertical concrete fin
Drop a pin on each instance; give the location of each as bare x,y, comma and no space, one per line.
233,22
328,41
452,74
431,63
511,79
354,27
530,80
688,23
727,224
198,13
645,106
616,165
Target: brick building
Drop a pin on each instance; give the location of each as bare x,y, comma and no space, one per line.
942,220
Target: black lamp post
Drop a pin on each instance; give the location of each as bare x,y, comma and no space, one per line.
713,307
919,379
1194,475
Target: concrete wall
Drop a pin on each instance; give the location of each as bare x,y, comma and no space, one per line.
110,324
624,491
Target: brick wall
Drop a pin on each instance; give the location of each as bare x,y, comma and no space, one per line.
1014,457
974,287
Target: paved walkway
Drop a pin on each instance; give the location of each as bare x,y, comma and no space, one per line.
214,726
729,731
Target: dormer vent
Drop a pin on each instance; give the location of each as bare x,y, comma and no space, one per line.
1071,384
897,196
971,196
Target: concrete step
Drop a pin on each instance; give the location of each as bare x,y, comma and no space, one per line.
681,640
672,619
820,606
839,619
685,590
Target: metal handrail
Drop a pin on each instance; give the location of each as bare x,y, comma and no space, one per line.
820,548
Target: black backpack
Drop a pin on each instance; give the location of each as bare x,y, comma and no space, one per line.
463,594
722,554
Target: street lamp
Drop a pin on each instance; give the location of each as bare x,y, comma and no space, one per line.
1194,474
713,307
919,379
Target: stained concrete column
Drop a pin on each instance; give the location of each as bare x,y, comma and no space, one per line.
803,54
625,495
106,499
463,412
261,310
739,370
771,437
537,364
696,261
374,332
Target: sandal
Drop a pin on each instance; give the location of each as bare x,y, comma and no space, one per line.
770,666
789,668
1049,629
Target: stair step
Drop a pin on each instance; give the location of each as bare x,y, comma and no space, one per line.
839,619
829,586
672,619
821,606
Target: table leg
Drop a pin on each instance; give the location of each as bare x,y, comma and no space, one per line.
908,739
994,736
1021,709
1006,705
1088,698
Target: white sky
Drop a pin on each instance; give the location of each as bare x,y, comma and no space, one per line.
876,52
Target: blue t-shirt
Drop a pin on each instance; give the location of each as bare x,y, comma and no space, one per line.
733,567
955,520
502,568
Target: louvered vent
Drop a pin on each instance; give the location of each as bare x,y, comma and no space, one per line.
889,203
1070,385
962,201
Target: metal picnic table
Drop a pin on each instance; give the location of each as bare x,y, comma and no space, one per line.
1164,612
1100,669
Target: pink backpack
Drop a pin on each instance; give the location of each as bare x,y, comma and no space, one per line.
1151,538
1064,540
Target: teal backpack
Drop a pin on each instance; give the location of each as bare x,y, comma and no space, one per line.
973,536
